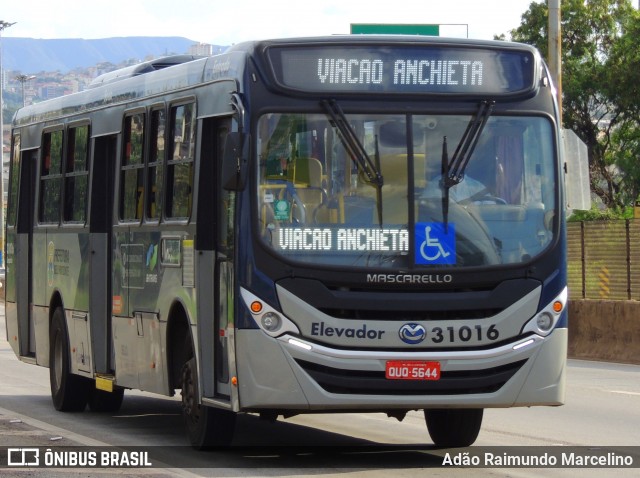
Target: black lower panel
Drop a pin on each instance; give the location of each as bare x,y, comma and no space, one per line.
335,380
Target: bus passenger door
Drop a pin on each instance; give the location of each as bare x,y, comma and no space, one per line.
215,239
19,260
100,297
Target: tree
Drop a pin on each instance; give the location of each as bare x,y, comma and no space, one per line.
10,104
600,86
622,88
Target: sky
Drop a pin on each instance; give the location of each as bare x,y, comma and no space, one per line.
225,22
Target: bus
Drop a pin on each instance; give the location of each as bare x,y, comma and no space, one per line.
313,225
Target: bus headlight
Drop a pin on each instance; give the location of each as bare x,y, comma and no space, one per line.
271,321
544,321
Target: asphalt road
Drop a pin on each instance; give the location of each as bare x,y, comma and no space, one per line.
602,410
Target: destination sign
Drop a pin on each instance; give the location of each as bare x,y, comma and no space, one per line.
325,239
403,69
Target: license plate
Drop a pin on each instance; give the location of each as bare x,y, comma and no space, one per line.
402,370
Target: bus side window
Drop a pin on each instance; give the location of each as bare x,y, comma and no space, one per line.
51,178
132,169
180,163
156,164
76,174
14,175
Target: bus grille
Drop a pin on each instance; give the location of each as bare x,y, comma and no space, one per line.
341,381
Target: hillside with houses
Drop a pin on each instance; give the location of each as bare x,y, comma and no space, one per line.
36,70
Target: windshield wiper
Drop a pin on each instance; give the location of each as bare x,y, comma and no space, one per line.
356,150
467,144
453,171
445,189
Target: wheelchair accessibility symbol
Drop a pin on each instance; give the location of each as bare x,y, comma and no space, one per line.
433,245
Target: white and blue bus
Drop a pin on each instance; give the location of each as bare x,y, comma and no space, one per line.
340,224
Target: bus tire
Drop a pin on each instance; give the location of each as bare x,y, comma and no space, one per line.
207,427
69,392
454,427
102,401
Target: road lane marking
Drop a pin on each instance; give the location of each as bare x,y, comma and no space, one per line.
622,392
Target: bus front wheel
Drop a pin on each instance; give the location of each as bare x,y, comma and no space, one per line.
207,427
69,392
455,427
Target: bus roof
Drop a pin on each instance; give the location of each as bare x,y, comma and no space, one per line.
380,39
127,85
141,69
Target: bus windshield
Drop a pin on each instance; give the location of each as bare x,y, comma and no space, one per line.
321,202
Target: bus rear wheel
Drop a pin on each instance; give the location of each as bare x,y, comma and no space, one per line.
455,427
207,427
69,392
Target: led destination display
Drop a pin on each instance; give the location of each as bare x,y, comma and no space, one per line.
403,69
323,239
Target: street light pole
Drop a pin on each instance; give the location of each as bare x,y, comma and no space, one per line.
3,25
23,79
555,49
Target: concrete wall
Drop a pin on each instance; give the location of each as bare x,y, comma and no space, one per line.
605,330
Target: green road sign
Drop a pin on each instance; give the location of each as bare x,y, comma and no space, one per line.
395,29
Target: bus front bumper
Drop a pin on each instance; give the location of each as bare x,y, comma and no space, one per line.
289,373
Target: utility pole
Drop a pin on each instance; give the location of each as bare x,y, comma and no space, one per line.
23,79
555,50
3,25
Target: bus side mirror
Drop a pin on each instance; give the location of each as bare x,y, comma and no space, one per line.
234,164
576,172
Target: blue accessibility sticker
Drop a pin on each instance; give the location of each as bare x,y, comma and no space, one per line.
434,245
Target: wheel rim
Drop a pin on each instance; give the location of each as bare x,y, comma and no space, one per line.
189,395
